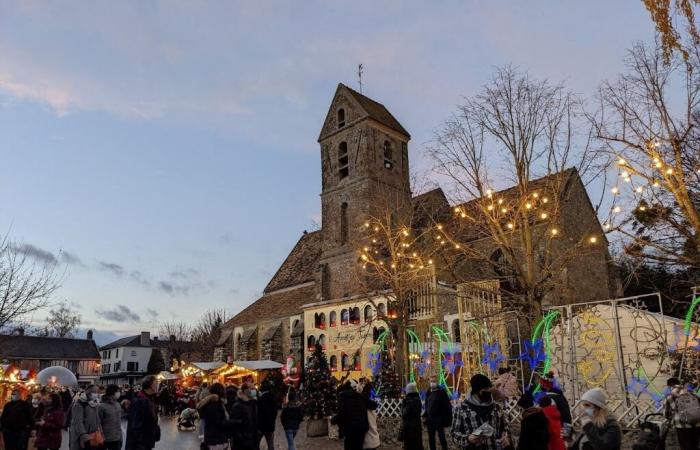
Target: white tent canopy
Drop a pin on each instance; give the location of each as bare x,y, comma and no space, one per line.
264,364
208,366
56,376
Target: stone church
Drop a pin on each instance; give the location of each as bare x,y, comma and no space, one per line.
364,150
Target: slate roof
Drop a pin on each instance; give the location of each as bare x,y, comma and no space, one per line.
135,341
377,111
301,264
275,305
36,347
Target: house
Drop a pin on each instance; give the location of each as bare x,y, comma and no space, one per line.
125,361
317,294
80,356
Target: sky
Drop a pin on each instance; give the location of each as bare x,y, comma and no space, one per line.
164,152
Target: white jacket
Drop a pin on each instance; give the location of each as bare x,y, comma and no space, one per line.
372,436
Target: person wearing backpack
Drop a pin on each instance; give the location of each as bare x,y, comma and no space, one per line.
683,409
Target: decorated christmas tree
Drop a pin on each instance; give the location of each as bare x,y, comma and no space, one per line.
320,398
388,385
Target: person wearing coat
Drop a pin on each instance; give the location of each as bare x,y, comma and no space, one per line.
479,408
600,429
110,412
142,430
438,414
267,415
49,434
291,418
352,416
213,411
16,419
372,440
506,383
244,420
84,420
556,441
411,427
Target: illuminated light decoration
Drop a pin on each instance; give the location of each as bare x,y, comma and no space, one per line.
615,190
504,210
656,184
448,361
510,226
628,180
439,227
457,210
405,232
490,207
493,357
642,208
606,225
535,194
599,365
463,215
366,224
543,330
374,241
543,215
376,228
528,205
625,174
430,261
457,246
593,239
413,339
621,162
544,200
617,209
669,171
689,316
500,201
639,189
554,231
489,193
533,353
658,165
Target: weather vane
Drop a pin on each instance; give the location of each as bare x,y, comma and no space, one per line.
359,76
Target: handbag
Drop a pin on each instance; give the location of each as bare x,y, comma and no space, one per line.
96,438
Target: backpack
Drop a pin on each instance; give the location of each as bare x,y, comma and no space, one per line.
688,408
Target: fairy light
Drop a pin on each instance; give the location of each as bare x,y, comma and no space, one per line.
490,207
554,231
658,164
656,184
366,224
430,262
543,215
535,194
593,240
457,246
642,208
528,205
500,200
669,171
615,190
544,200
606,226
639,189
625,174
504,210
489,193
617,209
621,162
510,226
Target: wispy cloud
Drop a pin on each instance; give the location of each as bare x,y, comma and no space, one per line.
71,258
173,289
137,277
120,313
113,268
36,253
152,313
184,273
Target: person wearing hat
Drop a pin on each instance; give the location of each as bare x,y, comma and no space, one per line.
352,416
411,428
549,387
600,429
479,422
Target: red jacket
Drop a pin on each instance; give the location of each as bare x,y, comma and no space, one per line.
556,442
48,435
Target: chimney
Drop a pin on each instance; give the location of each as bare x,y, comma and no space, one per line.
89,334
20,331
145,339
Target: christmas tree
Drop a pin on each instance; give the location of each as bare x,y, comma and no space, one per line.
320,396
387,384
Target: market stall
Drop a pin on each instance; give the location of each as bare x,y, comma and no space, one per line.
195,373
237,371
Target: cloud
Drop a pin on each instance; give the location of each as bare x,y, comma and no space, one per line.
173,289
184,273
138,278
121,313
70,258
36,253
115,269
152,313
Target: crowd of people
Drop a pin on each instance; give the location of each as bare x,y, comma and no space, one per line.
241,418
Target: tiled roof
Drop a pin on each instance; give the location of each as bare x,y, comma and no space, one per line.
135,341
378,112
36,347
275,305
301,264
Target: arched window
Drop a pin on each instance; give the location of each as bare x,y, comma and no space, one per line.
344,223
376,332
357,362
296,322
321,321
388,155
345,361
333,318
344,317
355,315
381,310
369,314
311,343
322,341
343,167
341,118
333,363
456,334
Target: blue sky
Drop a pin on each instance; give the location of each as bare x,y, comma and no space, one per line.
170,147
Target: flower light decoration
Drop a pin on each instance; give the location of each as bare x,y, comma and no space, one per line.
493,357
375,362
641,385
533,353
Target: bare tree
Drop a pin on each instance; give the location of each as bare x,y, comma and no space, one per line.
521,132
648,125
207,331
182,331
25,284
62,322
663,13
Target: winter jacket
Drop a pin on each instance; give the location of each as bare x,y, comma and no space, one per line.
438,409
16,415
48,435
352,413
534,434
562,404
214,415
142,431
508,385
244,419
84,421
470,415
411,427
609,437
267,412
292,416
556,442
110,413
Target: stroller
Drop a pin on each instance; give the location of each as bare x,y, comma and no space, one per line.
186,420
652,433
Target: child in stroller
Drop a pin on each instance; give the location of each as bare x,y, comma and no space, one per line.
185,422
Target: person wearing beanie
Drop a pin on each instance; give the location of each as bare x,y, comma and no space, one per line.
479,422
411,428
600,429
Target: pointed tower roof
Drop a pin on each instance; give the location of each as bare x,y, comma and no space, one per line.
372,110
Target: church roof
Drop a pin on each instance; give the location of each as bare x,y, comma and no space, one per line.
301,264
275,305
377,111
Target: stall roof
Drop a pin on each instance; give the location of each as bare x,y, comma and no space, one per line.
168,376
264,364
208,366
